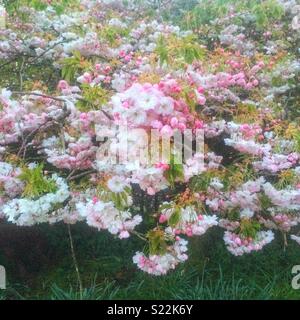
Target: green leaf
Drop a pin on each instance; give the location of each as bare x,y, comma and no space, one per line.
157,242
35,183
162,51
175,172
249,228
175,217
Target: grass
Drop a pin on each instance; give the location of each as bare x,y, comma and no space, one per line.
108,272
178,286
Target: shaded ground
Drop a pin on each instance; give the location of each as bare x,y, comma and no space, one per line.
39,266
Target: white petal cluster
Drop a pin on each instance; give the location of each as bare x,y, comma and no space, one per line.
105,216
27,212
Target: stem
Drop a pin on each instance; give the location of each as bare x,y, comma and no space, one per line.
21,73
108,116
80,175
38,95
75,261
285,244
139,235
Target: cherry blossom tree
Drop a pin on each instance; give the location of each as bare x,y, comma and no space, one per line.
72,80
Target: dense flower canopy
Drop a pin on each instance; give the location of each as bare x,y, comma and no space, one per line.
70,79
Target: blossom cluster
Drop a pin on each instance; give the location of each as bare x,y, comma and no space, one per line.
189,223
27,212
160,264
104,215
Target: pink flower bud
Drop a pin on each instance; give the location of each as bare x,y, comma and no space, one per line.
95,199
163,218
200,89
174,122
62,85
201,100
